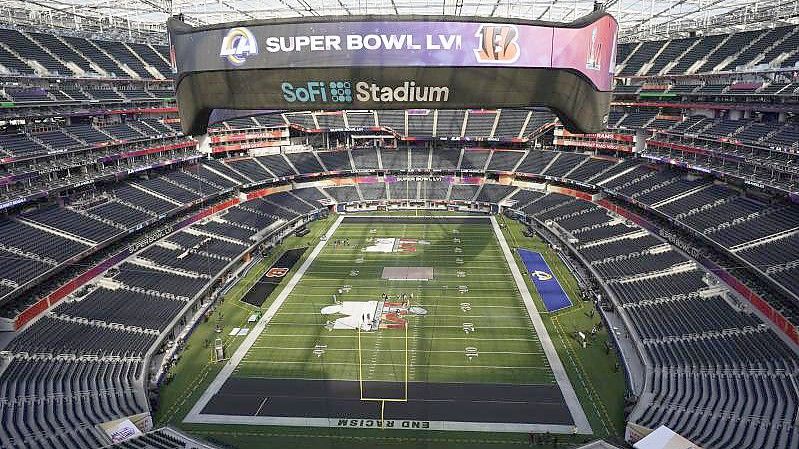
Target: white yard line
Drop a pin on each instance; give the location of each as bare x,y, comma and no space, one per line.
420,303
238,356
372,283
431,217
431,351
426,365
460,315
332,379
441,271
569,395
431,326
531,338
453,287
474,306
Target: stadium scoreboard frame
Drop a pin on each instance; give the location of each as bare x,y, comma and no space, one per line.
394,62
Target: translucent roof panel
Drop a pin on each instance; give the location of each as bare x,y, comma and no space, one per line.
639,19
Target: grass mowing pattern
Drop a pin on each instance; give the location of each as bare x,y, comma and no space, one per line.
508,348
599,387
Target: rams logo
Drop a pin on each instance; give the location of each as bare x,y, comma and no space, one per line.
497,44
542,275
238,44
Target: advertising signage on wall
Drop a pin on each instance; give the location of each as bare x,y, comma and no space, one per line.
378,62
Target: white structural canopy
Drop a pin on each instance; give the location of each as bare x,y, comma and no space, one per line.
639,19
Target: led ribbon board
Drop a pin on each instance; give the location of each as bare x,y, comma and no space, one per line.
396,62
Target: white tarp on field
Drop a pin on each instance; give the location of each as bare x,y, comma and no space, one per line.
381,245
407,273
356,314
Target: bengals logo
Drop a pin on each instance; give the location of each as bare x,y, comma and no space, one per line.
276,272
498,44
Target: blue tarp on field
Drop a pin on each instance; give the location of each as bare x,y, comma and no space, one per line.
545,282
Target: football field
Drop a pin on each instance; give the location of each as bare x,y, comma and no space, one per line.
396,321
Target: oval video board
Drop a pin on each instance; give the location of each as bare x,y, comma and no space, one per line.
396,63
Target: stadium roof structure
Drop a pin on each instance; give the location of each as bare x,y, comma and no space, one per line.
639,19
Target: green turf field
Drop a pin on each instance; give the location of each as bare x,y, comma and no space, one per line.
508,350
598,385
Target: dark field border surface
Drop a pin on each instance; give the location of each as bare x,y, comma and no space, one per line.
458,402
268,281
